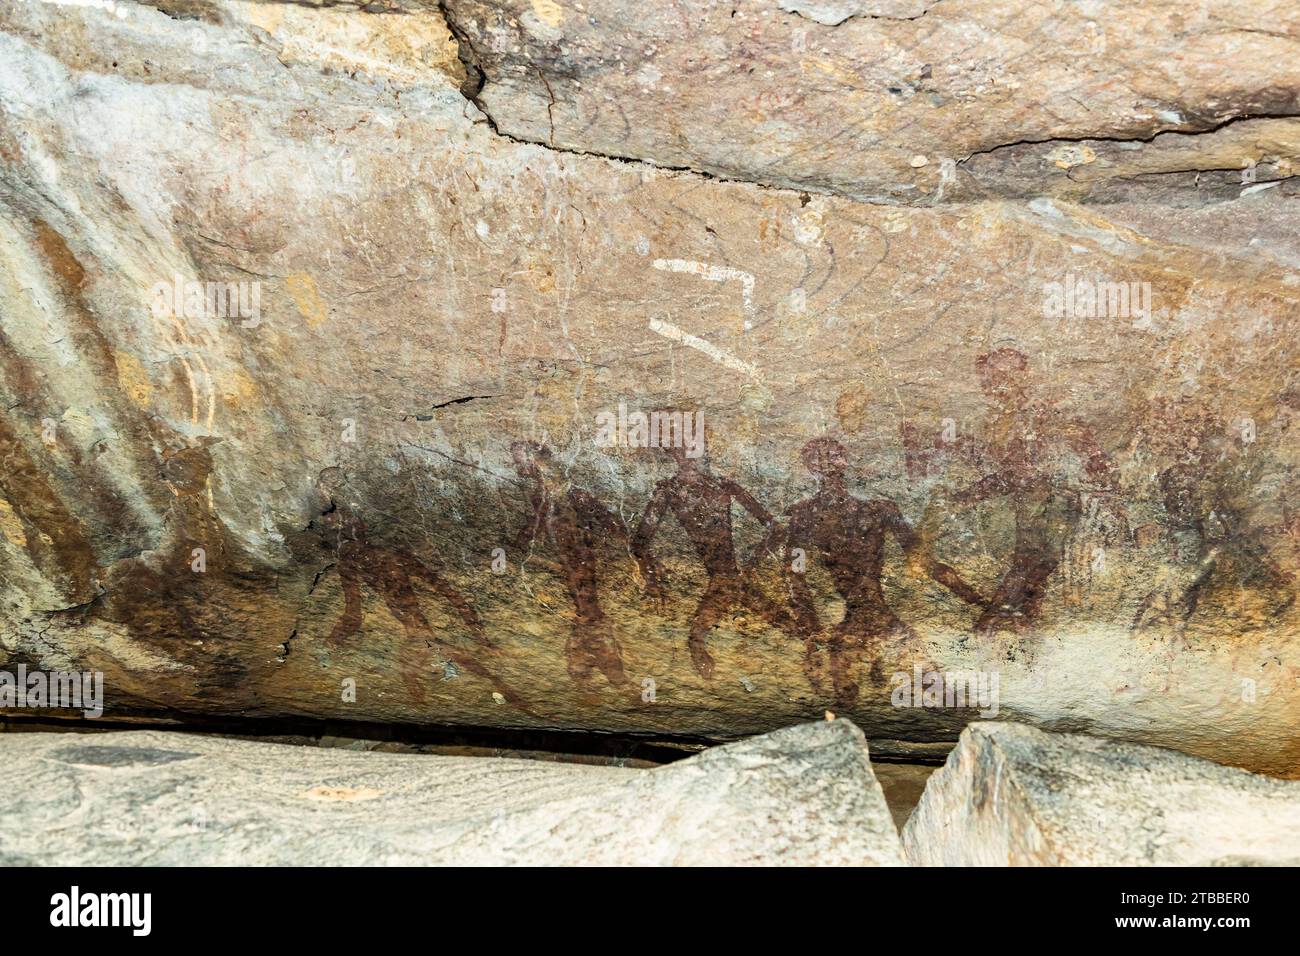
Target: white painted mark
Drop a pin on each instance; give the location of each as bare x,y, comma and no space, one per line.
715,274
720,356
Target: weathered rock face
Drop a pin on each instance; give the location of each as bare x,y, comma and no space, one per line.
313,374
800,796
1014,795
902,101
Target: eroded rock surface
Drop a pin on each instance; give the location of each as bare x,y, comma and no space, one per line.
907,102
996,360
1012,795
804,795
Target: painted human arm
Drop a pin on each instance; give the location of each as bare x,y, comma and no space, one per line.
922,561
795,545
349,621
920,452
759,513
643,538
1096,463
601,518
449,594
748,502
993,485
798,539
523,539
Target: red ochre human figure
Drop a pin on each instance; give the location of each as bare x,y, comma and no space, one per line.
572,521
1023,447
702,502
848,533
391,573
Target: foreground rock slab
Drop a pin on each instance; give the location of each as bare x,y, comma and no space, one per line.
1014,795
802,795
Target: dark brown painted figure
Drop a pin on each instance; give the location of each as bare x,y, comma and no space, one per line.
162,591
1199,486
1287,433
390,573
73,547
702,504
572,521
848,533
55,538
1024,449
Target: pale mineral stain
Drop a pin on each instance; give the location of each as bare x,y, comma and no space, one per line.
403,48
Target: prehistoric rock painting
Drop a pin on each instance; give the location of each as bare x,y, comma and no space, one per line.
192,537
1200,484
40,522
391,573
848,533
1025,447
701,502
1288,426
445,288
572,521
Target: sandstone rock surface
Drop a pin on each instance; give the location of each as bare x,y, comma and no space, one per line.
903,101
990,309
804,795
1012,795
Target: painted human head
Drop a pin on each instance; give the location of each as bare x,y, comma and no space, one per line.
1002,375
825,458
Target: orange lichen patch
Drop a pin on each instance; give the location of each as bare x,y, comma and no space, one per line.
542,276
342,794
836,69
549,12
1069,155
60,257
404,47
133,379
10,526
852,406
307,298
238,388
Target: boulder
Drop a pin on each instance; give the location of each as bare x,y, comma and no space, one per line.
804,795
1013,795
